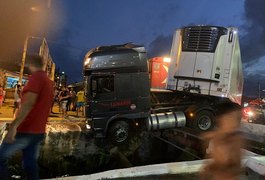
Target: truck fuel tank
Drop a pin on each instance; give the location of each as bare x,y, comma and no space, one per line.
166,120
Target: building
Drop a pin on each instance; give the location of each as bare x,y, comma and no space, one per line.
10,65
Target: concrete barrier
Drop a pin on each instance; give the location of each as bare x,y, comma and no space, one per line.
257,167
252,164
187,167
255,163
253,131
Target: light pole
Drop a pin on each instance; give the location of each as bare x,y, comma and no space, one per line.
26,47
49,4
24,55
23,60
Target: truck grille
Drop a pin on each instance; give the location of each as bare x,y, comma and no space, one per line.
201,38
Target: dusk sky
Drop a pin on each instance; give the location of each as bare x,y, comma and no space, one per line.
79,25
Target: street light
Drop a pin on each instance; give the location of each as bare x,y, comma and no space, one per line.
34,9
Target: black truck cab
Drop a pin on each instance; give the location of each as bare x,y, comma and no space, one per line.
117,89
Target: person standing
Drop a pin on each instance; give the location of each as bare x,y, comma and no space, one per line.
17,100
27,130
63,98
4,95
74,99
73,96
55,98
1,96
60,90
80,103
69,100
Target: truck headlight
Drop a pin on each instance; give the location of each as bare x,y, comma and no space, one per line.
88,127
87,61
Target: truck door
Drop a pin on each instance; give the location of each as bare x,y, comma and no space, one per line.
102,95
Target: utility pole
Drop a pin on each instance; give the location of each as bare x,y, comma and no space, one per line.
49,4
23,60
25,51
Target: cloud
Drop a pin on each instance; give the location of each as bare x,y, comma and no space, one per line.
251,85
69,60
161,46
66,55
253,46
253,42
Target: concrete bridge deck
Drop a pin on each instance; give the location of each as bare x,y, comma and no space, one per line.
252,164
253,167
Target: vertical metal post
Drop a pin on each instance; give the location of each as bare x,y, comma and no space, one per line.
23,60
49,4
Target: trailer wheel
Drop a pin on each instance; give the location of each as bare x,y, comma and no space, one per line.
119,132
204,120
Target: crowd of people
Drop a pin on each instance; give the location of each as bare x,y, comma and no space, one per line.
69,100
66,98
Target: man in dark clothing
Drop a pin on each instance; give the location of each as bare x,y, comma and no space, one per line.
69,100
27,131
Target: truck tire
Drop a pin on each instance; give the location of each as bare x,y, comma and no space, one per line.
204,120
118,132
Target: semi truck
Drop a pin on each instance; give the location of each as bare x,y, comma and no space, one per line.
204,70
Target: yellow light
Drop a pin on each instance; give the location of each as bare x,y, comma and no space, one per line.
250,113
166,59
136,124
191,114
87,61
88,127
34,9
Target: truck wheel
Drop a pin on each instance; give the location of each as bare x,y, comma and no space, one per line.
119,132
204,120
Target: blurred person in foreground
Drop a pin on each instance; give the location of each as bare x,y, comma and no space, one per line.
27,130
224,145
